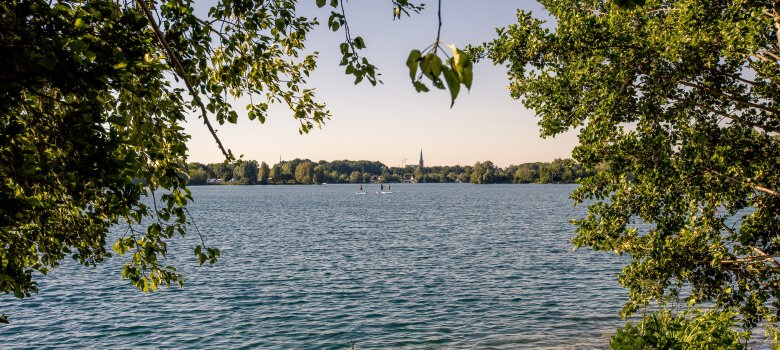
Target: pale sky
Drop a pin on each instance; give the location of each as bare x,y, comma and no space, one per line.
390,122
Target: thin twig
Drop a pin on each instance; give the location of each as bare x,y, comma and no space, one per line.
438,32
203,243
50,98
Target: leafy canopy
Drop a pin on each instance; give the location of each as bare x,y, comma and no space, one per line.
680,100
92,98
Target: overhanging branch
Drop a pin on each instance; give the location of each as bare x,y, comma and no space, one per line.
179,68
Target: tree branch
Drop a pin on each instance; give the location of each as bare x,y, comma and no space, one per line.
179,68
776,18
727,115
50,98
754,259
765,190
732,117
766,257
731,97
733,76
212,29
755,187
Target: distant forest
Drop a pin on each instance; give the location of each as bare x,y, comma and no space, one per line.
304,171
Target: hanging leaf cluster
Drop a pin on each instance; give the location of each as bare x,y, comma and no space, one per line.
404,7
354,63
454,70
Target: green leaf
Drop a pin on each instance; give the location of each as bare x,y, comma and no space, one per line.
78,45
461,64
452,83
412,62
420,87
431,66
456,58
468,75
438,83
80,23
321,3
359,43
120,65
280,23
62,7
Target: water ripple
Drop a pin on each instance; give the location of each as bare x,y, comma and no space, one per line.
316,267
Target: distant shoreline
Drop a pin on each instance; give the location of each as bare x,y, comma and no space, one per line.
380,183
306,172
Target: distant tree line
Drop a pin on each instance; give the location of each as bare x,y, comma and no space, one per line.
304,171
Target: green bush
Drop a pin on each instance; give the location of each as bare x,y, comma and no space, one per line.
691,329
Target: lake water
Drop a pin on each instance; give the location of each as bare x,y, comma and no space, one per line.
445,266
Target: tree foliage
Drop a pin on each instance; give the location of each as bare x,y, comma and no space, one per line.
197,176
483,173
340,171
93,95
245,173
263,173
680,100
303,173
85,113
690,329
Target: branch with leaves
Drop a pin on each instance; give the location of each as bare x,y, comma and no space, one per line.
179,69
454,70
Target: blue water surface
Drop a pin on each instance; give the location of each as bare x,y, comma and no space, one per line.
444,266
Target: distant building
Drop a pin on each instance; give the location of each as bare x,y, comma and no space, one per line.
421,164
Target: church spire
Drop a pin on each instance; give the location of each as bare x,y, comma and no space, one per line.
422,164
